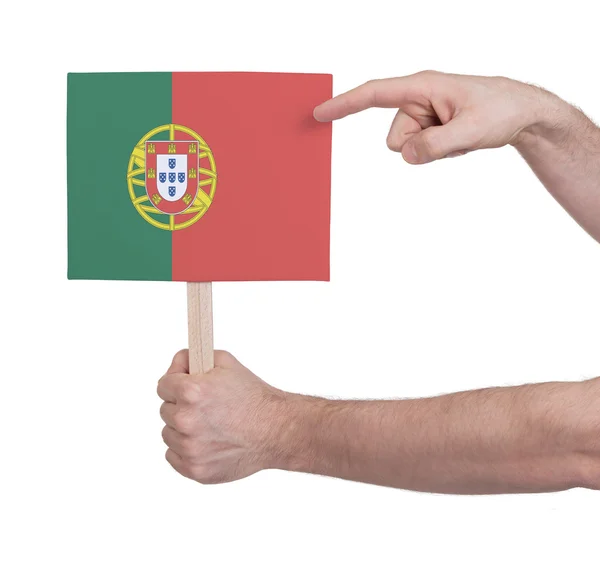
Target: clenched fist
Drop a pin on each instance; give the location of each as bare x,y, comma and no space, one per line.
220,426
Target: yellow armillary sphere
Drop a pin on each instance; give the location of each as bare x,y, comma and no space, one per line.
204,177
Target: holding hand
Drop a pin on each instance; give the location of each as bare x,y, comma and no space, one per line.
218,425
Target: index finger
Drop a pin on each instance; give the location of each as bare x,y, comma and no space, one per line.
387,92
180,366
170,387
181,362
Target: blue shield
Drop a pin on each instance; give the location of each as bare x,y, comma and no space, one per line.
162,177
172,191
181,177
172,163
172,177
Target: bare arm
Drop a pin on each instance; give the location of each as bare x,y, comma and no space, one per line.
501,440
230,424
447,114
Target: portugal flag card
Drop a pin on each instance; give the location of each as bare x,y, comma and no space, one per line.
198,176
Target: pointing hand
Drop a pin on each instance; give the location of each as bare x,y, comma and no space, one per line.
441,115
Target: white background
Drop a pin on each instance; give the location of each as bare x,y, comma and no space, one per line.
461,274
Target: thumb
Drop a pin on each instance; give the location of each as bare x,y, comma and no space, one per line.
435,143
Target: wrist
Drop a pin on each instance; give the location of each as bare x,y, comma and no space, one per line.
550,119
294,431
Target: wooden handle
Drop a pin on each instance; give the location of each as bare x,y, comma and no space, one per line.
200,327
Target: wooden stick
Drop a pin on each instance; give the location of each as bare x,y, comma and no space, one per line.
200,327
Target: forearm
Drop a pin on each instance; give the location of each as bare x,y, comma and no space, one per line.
563,150
501,440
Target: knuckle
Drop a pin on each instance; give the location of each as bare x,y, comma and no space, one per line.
224,358
188,470
428,80
174,460
162,410
181,354
370,87
182,422
163,414
198,473
188,448
428,73
184,467
202,474
189,391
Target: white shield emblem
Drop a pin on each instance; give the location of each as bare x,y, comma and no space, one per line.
172,175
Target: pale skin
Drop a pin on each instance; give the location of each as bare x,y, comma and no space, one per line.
229,423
